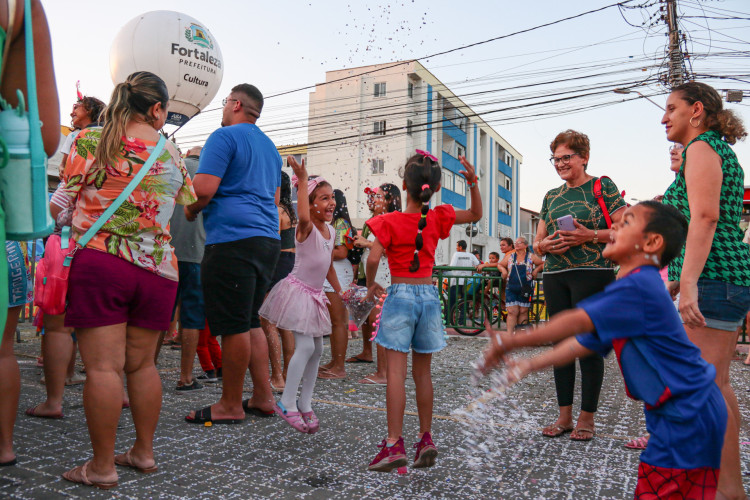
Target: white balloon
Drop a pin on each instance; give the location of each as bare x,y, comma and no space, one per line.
177,48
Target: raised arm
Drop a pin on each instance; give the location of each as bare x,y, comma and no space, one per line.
563,325
304,225
475,210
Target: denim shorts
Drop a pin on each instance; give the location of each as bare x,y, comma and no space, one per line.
724,305
411,319
190,296
515,299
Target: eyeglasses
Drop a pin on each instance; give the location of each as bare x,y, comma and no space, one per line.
676,148
564,159
227,99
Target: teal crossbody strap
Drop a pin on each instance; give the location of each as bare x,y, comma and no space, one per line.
120,199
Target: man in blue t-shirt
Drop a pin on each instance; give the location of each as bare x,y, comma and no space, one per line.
237,185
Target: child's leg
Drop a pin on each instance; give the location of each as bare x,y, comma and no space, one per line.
304,348
310,377
420,372
395,393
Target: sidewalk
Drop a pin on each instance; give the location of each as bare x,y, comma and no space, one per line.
265,458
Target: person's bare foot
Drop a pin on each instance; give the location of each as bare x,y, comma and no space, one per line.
332,374
326,366
7,456
265,406
219,412
375,378
277,386
559,428
45,410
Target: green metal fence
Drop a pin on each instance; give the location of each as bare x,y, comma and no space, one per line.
480,298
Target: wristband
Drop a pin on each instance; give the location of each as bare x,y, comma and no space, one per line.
473,184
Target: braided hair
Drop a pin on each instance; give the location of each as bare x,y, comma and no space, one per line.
422,178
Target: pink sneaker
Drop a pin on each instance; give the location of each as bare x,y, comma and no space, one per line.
389,458
313,424
293,418
426,452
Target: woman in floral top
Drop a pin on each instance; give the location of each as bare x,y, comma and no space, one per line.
123,284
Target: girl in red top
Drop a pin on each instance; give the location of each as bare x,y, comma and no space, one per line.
411,315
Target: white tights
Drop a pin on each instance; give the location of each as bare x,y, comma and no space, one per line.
303,367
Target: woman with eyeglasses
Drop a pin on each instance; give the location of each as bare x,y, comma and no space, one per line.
575,268
713,272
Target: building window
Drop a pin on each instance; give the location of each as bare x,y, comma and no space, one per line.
378,166
503,206
379,127
460,185
460,151
410,90
508,159
409,126
507,183
379,89
447,182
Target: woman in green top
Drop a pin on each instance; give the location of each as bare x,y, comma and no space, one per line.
575,268
713,272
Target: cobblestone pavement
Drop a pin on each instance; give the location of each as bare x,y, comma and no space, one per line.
263,458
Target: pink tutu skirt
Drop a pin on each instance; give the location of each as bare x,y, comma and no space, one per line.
296,306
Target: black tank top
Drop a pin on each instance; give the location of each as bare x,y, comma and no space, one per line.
287,238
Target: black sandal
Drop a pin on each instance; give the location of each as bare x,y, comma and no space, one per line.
204,415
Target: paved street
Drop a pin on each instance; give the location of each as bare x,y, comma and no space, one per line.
265,458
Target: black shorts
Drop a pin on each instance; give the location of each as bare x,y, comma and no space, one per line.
284,266
235,278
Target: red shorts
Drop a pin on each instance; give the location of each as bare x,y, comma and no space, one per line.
660,483
104,290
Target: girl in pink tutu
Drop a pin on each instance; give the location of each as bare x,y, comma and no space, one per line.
298,303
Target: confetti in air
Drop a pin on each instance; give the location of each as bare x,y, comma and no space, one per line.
490,420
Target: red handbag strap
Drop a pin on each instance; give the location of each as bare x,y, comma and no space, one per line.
600,199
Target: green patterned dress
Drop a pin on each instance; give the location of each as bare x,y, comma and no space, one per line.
581,204
729,259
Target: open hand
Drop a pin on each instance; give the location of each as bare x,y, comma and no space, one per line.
469,174
298,169
362,242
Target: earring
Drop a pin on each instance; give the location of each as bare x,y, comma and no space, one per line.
637,246
691,122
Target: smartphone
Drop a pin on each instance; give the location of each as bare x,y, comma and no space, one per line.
565,223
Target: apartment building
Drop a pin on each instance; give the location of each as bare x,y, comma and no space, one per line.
365,122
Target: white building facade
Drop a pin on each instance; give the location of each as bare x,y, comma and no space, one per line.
365,122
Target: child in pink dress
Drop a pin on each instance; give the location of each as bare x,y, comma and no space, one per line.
298,303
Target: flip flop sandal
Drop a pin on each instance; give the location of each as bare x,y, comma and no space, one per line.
558,431
9,463
256,412
577,432
329,376
355,359
126,460
313,424
370,381
79,475
639,443
204,415
293,418
32,413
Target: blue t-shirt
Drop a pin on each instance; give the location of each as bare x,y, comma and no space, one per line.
660,366
249,166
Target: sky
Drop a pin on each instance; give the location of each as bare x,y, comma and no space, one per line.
283,46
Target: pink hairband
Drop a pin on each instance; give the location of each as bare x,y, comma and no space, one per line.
427,154
311,183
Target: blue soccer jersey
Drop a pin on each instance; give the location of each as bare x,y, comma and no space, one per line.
685,412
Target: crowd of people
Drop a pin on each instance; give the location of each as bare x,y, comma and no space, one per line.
239,263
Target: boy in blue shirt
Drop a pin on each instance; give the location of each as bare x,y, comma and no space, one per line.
686,414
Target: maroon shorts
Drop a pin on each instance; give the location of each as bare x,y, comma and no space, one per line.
106,290
660,482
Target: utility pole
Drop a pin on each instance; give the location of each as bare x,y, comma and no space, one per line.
676,57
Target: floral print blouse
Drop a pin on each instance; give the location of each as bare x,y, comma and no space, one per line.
138,231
